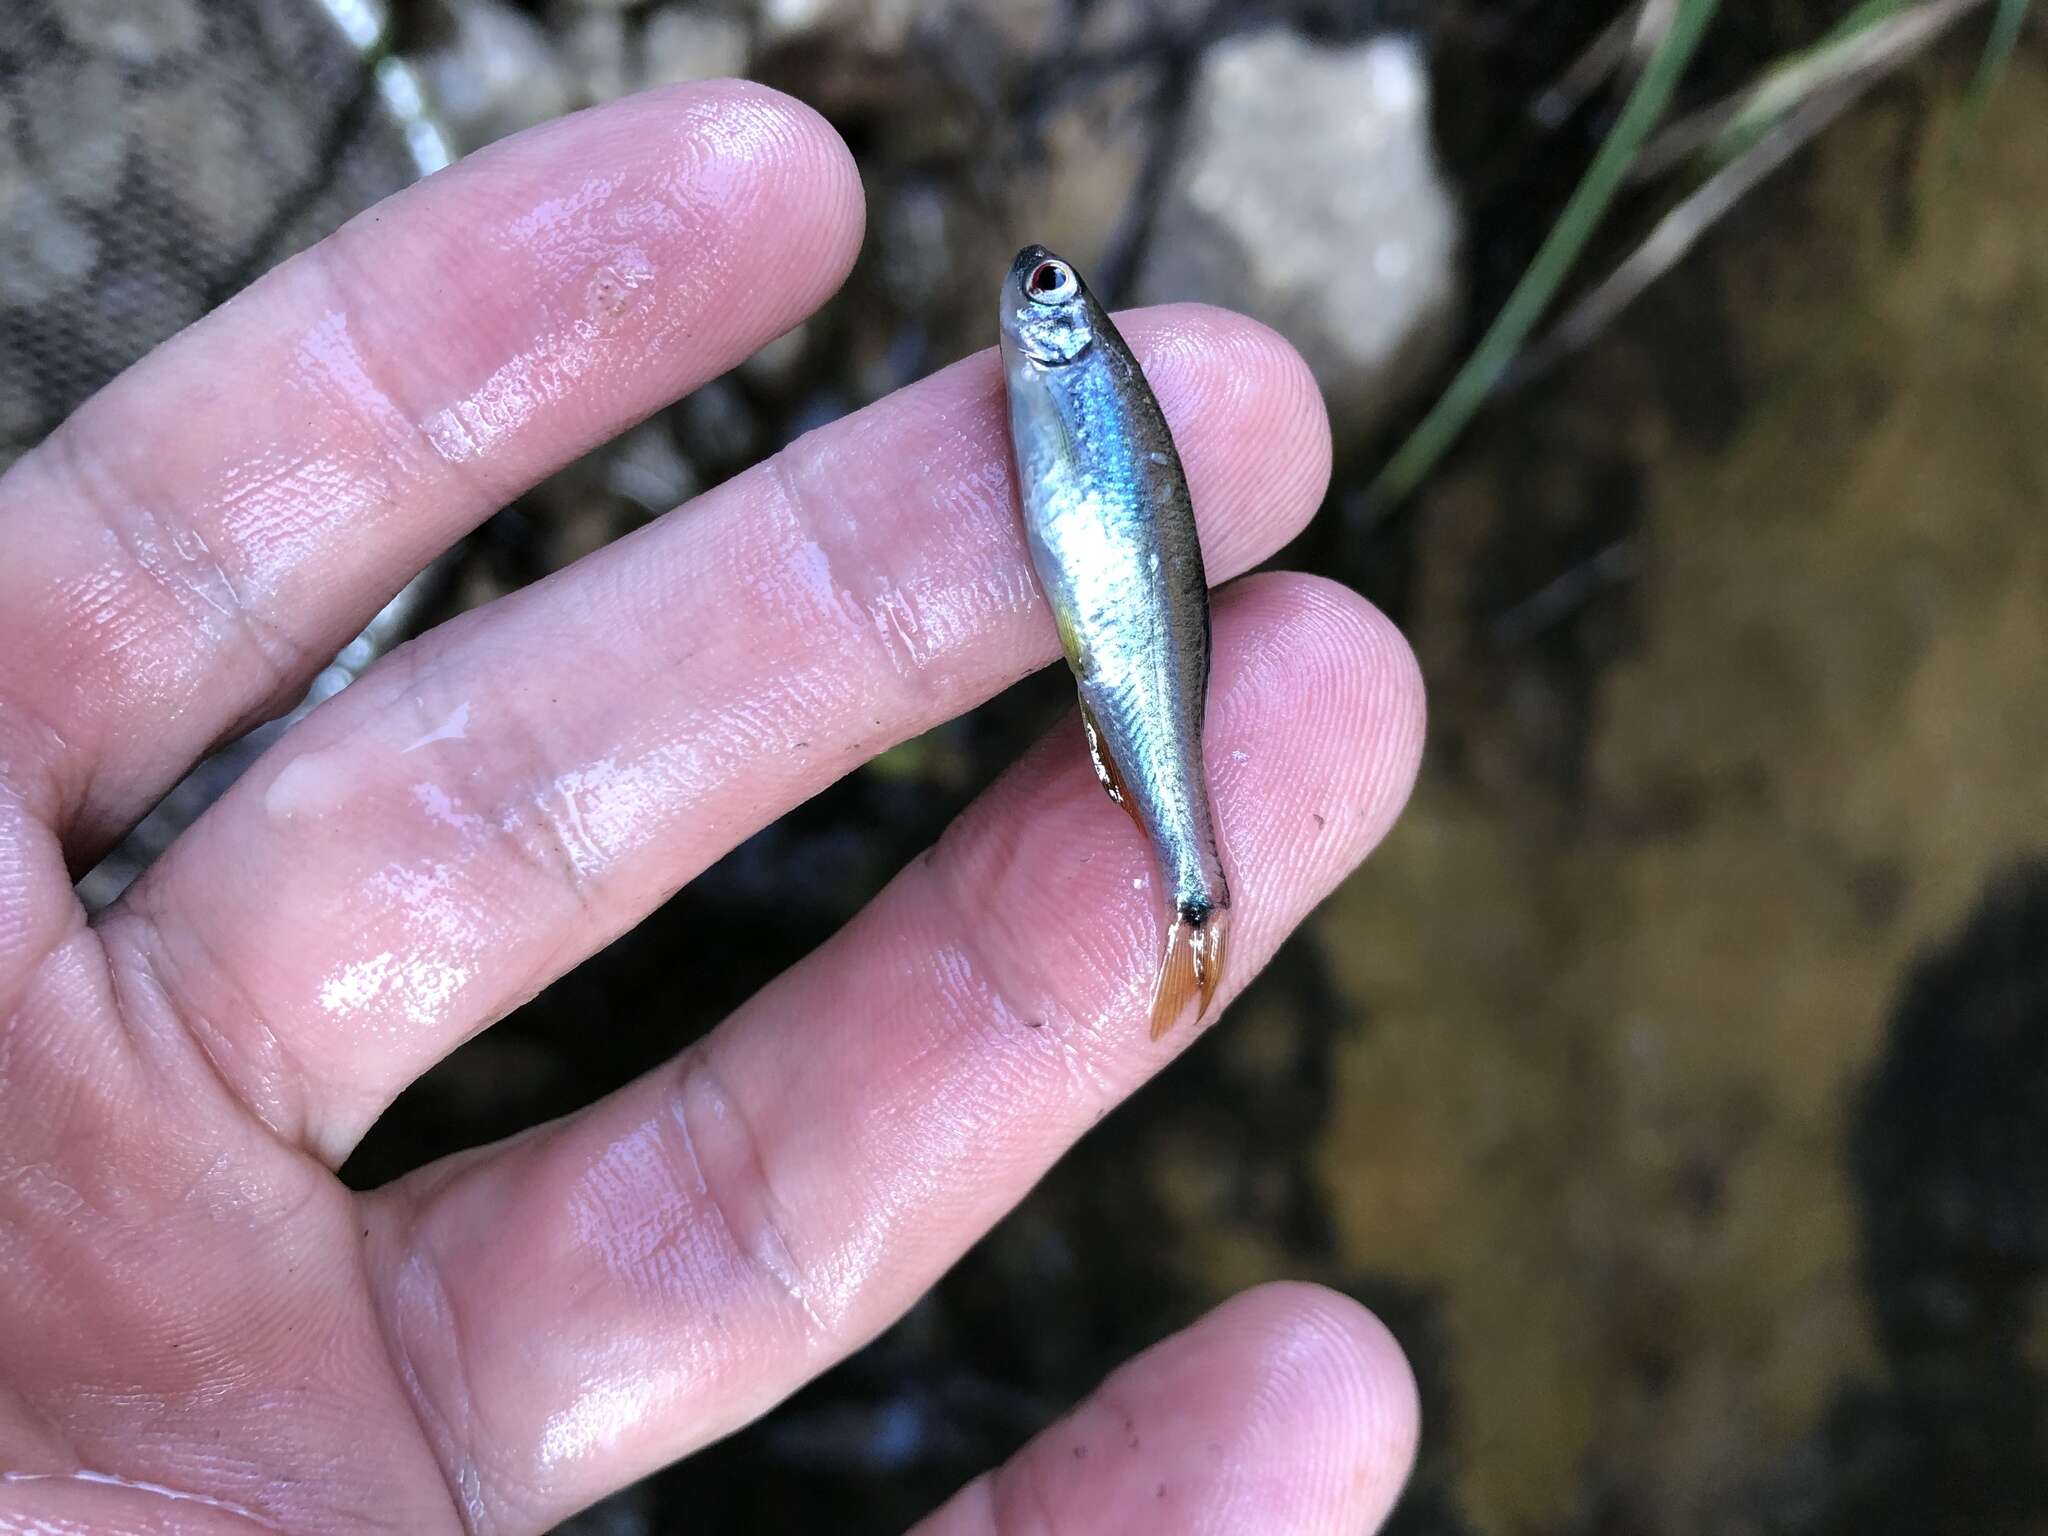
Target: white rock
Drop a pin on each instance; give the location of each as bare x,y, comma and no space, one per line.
497,74
686,42
1309,197
793,18
78,127
135,34
596,44
880,26
184,140
44,251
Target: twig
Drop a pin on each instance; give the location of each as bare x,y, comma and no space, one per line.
1873,38
1680,229
1601,58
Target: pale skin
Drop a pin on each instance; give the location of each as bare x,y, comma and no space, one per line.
201,1329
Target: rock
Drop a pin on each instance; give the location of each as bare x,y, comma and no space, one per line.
716,429
1309,197
1138,25
14,171
595,42
134,34
1024,28
879,26
44,250
182,126
77,127
684,42
779,364
19,416
913,240
499,72
1078,196
647,469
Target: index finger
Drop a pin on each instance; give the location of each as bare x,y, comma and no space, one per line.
208,530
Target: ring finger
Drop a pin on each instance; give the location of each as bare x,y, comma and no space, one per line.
595,1299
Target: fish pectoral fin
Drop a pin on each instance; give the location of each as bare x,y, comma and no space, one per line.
1106,769
1192,966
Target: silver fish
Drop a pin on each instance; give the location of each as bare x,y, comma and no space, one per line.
1112,536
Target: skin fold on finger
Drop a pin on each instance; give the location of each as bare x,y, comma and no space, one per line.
645,1277
1287,1411
207,531
508,794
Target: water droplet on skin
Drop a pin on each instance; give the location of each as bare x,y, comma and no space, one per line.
309,785
454,728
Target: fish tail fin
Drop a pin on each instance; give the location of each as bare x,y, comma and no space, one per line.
1192,966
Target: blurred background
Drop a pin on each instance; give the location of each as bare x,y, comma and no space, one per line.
1674,1080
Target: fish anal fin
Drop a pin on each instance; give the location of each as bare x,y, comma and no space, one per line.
1106,769
1191,969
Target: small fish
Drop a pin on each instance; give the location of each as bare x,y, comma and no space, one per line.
1112,536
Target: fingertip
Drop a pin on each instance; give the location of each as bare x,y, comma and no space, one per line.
1387,721
1289,1410
780,178
1338,1386
812,172
733,197
1343,749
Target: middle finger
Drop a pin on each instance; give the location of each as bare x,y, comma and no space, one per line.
505,796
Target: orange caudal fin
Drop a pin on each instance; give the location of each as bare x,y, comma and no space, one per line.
1192,966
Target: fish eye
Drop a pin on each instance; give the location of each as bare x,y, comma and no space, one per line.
1050,282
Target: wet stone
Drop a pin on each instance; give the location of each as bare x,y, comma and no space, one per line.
77,134
1020,27
716,427
596,44
44,249
496,73
878,26
648,470
134,34
19,416
686,42
184,125
1309,196
779,364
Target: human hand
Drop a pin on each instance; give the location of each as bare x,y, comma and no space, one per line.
200,1328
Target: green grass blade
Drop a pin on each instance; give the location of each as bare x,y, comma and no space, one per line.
1547,270
1788,82
2005,36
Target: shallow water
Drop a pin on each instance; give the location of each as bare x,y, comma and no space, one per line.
1702,996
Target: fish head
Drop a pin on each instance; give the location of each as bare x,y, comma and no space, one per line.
1048,317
